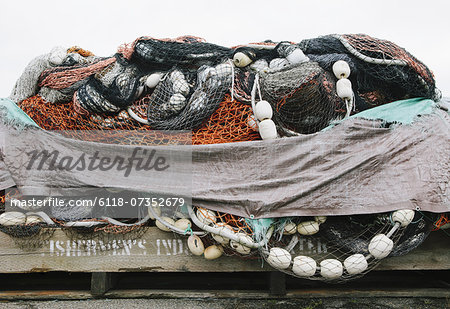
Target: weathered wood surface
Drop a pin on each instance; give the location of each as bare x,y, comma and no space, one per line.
102,282
166,252
158,294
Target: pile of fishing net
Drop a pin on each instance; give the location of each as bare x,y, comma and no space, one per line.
250,92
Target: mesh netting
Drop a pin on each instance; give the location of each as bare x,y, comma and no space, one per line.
303,97
335,249
380,70
343,248
104,237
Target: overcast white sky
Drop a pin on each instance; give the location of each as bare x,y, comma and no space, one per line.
31,28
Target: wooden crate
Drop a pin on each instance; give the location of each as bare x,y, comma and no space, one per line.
158,251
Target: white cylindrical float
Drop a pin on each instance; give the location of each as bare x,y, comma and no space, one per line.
10,218
263,110
241,60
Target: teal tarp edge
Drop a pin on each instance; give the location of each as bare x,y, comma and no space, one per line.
403,111
14,115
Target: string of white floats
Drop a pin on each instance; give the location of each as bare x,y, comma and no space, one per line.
344,90
262,114
379,247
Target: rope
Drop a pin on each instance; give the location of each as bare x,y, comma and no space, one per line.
368,59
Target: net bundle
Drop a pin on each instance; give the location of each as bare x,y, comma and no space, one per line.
303,97
381,71
185,83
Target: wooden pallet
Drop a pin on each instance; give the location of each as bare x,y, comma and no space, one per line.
158,251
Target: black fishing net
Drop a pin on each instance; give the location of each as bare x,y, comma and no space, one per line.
381,71
303,97
152,54
182,101
352,233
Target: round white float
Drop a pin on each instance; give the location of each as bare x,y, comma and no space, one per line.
331,269
153,80
304,266
241,60
12,218
206,216
308,227
268,129
263,110
380,246
290,228
195,245
221,239
181,86
183,224
177,101
162,227
213,252
279,258
344,89
238,247
355,264
341,69
320,219
404,216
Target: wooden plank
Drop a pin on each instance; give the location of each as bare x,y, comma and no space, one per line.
224,294
43,295
157,251
102,283
317,293
277,283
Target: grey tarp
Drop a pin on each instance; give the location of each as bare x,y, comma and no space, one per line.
359,166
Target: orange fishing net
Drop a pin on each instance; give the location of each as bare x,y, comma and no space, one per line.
222,219
79,50
228,124
441,221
